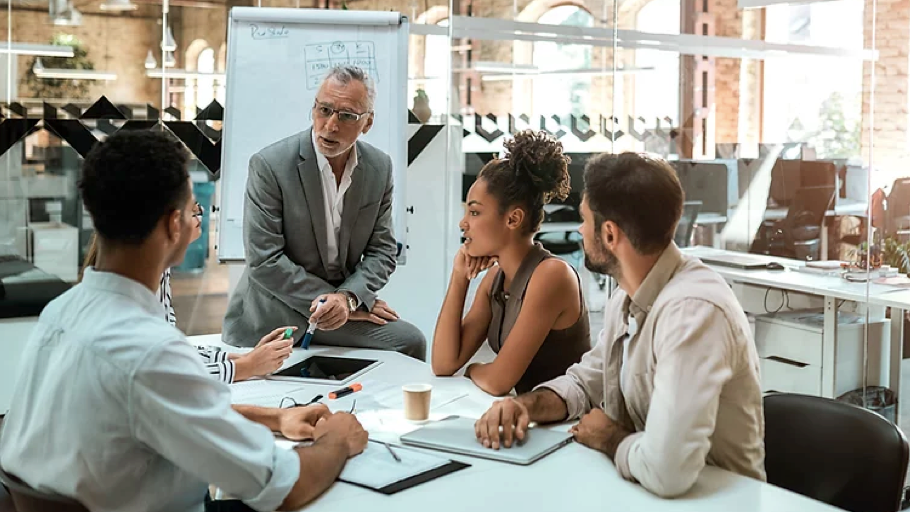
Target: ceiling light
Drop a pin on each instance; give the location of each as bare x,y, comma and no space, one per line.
150,62
118,5
42,50
169,44
70,74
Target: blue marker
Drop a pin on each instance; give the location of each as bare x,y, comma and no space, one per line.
308,337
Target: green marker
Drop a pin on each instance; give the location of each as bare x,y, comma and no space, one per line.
288,333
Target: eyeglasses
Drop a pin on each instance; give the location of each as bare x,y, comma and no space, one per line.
324,111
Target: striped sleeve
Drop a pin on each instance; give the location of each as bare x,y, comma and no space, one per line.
221,370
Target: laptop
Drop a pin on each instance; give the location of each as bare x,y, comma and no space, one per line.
456,435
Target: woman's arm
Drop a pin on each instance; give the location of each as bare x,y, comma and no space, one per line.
552,301
456,340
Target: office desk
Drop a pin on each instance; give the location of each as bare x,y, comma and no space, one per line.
832,289
573,478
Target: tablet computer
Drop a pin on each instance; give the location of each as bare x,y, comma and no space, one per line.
456,435
326,369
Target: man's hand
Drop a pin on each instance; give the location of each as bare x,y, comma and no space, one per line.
381,314
299,423
331,315
511,415
598,431
344,426
265,359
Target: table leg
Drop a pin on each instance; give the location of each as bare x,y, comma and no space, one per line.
896,357
829,347
823,252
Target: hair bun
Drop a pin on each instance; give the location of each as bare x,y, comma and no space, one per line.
538,157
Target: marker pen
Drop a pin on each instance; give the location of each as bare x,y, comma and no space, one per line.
343,392
308,337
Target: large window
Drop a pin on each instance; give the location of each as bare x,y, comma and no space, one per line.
810,99
655,94
567,93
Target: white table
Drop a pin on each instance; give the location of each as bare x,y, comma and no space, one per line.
832,289
573,478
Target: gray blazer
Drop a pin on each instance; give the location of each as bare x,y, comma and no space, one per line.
284,234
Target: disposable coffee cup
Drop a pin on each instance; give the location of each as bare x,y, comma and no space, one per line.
417,401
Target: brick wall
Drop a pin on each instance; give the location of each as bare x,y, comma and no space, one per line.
891,95
114,43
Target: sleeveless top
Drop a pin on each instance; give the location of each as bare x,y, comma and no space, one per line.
561,348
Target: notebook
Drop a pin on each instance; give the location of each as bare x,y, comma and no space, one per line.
456,435
377,469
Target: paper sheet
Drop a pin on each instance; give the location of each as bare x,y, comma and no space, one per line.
376,468
265,393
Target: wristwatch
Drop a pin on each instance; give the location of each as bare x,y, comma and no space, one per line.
352,300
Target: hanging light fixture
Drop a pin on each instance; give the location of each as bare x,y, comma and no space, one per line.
70,74
118,5
169,44
169,60
150,62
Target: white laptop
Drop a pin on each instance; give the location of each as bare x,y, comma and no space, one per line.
456,435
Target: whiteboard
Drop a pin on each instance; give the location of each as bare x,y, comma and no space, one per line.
277,59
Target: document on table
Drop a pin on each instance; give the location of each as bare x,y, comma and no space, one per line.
377,468
262,392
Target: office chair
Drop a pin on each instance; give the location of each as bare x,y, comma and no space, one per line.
898,207
565,243
837,453
798,235
686,226
27,499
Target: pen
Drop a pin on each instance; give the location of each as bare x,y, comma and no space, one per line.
343,392
308,337
288,333
394,455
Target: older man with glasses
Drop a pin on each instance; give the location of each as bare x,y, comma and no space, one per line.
318,230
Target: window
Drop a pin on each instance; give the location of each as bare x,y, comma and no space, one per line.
656,90
562,94
811,99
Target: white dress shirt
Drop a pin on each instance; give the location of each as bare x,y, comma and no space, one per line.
114,408
333,192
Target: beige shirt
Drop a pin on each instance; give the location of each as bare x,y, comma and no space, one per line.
334,204
690,383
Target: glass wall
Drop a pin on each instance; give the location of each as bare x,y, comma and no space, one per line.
787,125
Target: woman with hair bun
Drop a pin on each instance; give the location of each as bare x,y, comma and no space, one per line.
529,306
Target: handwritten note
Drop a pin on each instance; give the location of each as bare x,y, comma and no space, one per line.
269,31
321,57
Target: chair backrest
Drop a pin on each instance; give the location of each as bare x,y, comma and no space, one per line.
686,226
27,499
837,453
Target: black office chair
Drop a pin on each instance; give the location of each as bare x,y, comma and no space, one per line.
27,499
798,236
686,226
562,243
897,216
837,453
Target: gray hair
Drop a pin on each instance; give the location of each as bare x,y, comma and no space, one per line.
345,73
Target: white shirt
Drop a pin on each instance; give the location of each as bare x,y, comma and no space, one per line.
334,204
114,408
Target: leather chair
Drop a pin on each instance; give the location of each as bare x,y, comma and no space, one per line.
833,452
27,499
